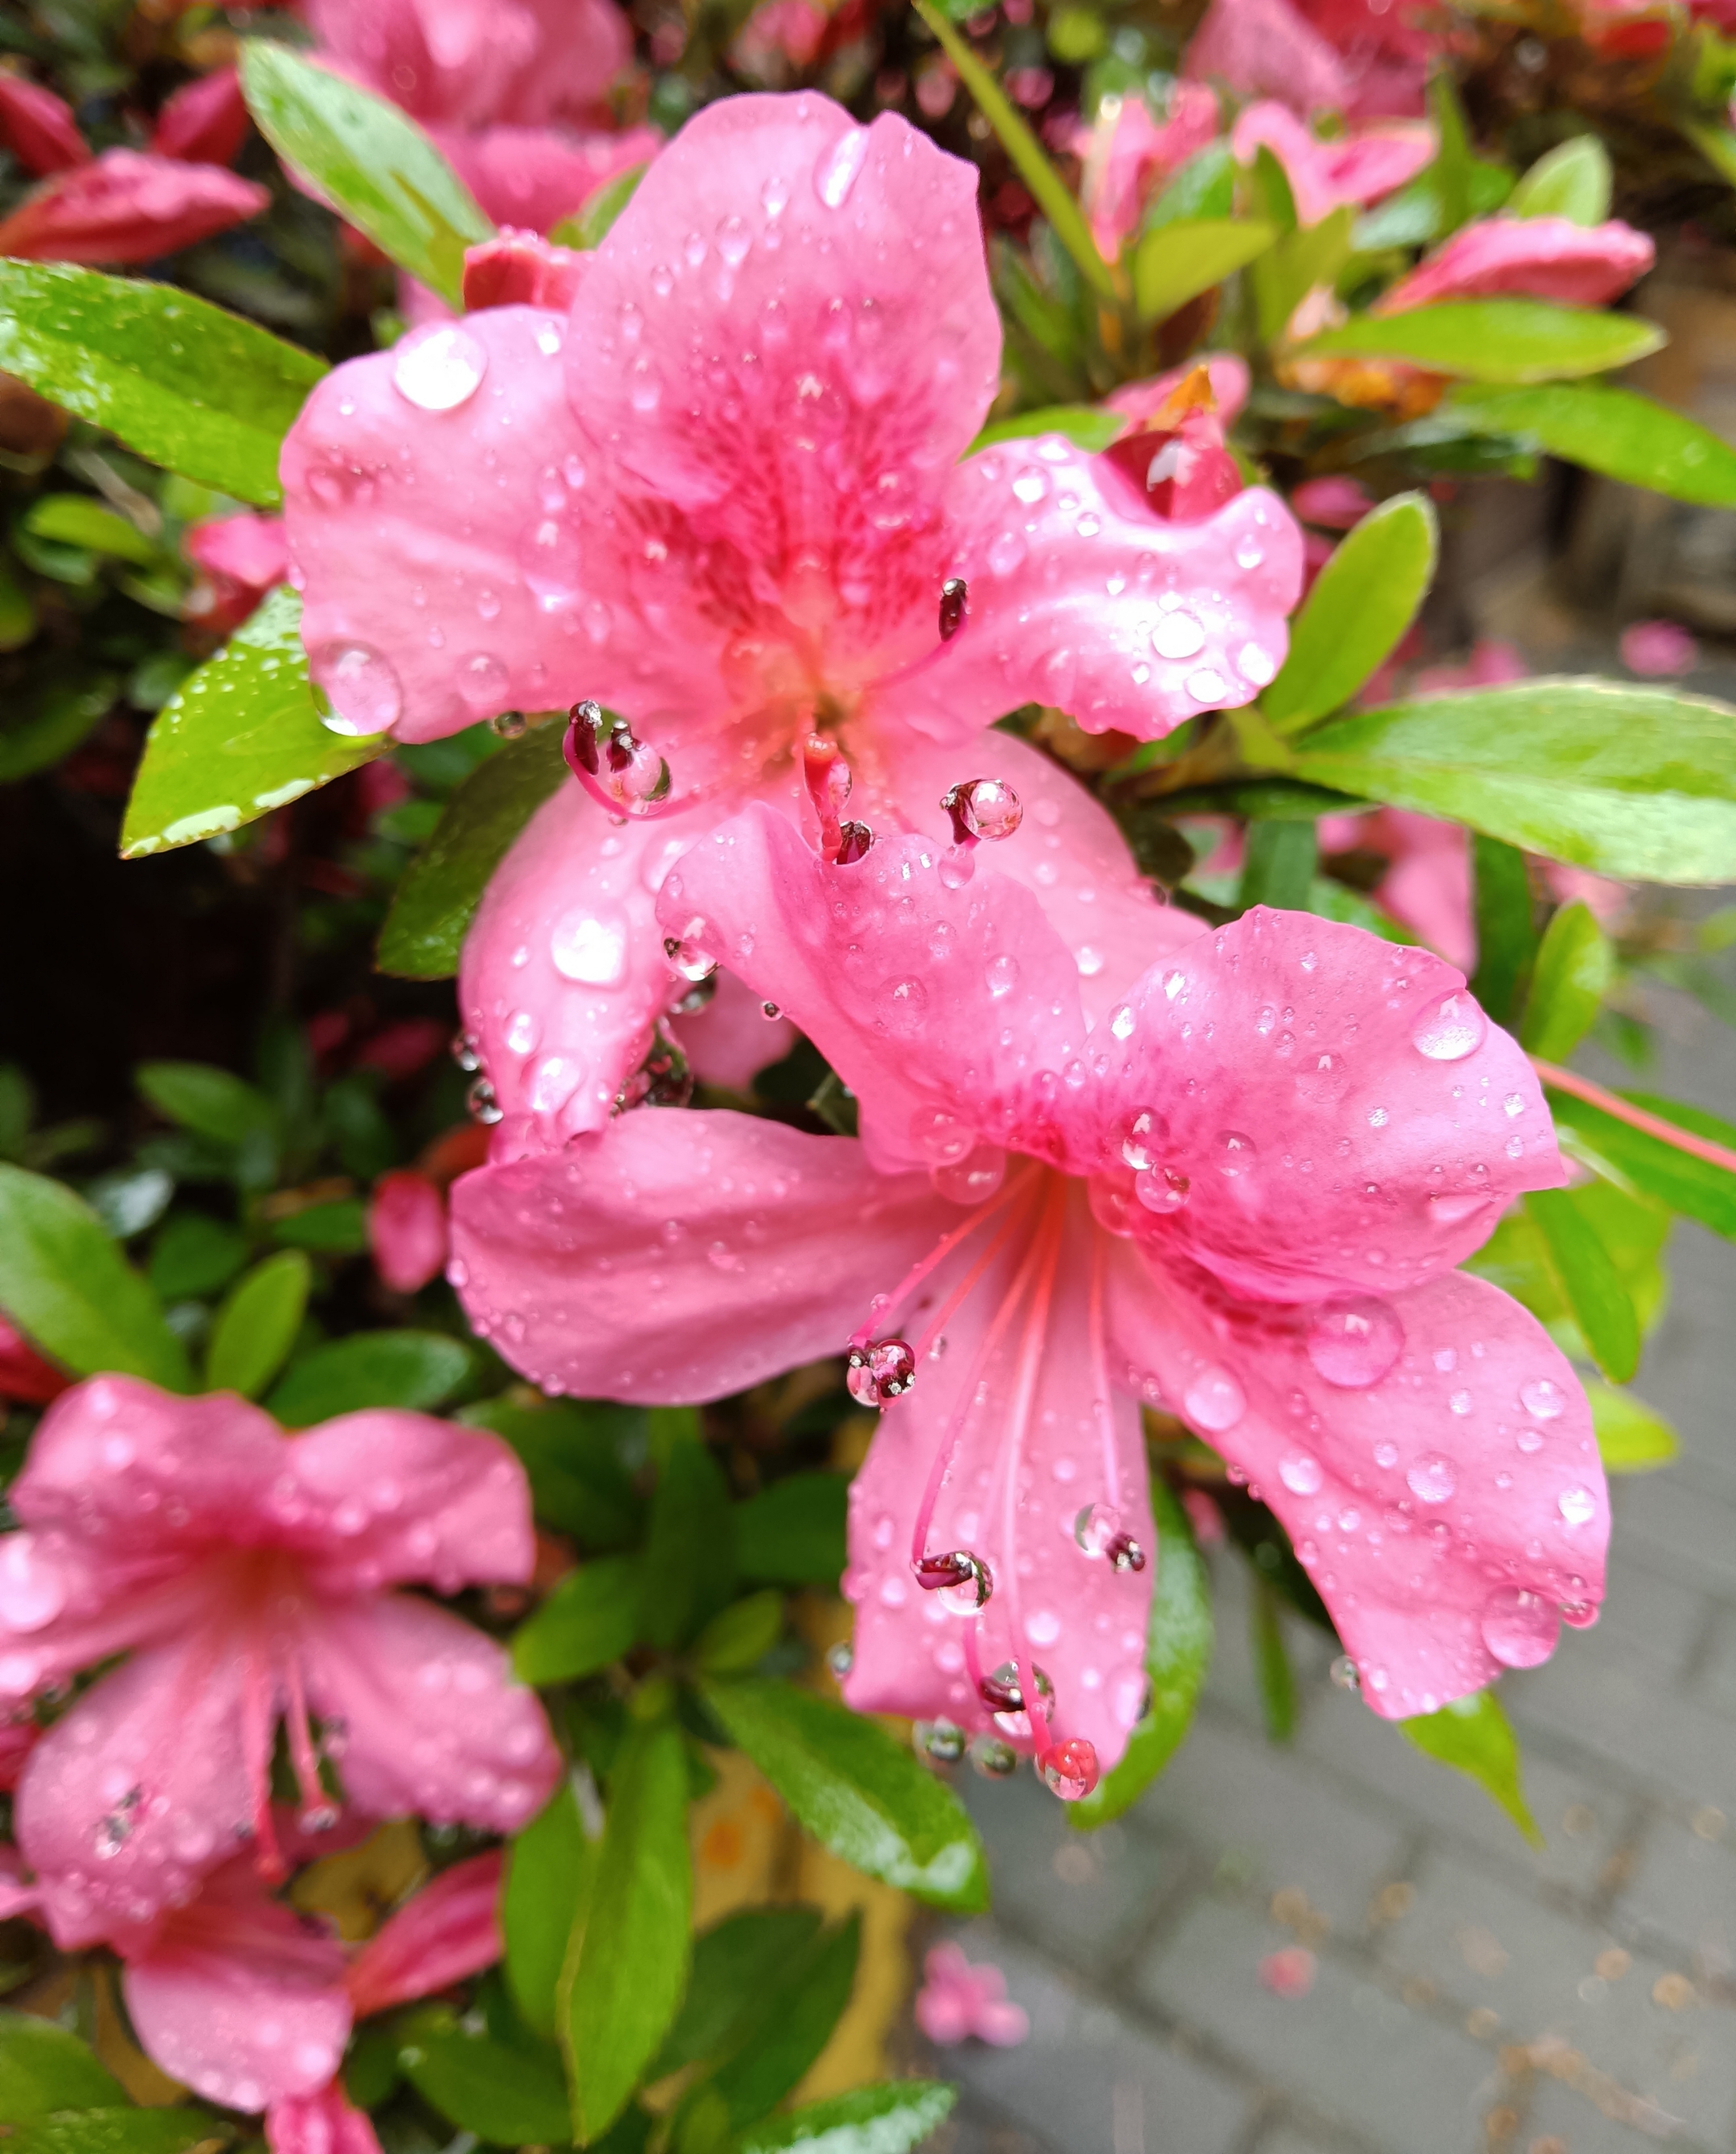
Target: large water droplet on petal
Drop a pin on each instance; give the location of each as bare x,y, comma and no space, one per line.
1214,1400
834,177
440,368
1300,1473
1452,1029
1431,1479
32,1592
1542,1399
1354,1341
1145,1135
362,686
880,1372
1520,1627
1162,1190
1578,1506
1236,1154
1001,975
590,948
1177,635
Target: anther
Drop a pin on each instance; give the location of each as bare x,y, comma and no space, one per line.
880,1372
853,840
954,605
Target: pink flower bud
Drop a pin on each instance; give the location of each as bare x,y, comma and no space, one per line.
24,1375
126,208
38,128
204,122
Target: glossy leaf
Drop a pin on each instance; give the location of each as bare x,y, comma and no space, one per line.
796,2016
257,1324
43,2068
1506,934
241,736
119,2131
736,1962
631,1965
742,1635
75,520
595,220
195,1255
50,723
888,2119
792,1533
1697,1187
214,1103
67,1287
1178,1650
1279,866
413,1369
1639,783
1174,262
438,895
370,160
1616,432
1091,426
1589,1281
1573,180
591,1619
1474,1736
1631,1436
1514,340
550,1868
1362,602
198,390
570,1450
509,2095
1311,256
335,1228
1204,187
1575,968
858,1793
689,1548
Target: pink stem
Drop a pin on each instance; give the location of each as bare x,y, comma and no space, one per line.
1636,1118
1048,1247
942,1249
1099,1383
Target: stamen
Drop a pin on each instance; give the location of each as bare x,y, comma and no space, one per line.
258,1717
1044,1259
954,606
623,775
885,1304
854,841
319,1813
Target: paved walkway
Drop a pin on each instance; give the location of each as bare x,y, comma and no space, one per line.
1467,1995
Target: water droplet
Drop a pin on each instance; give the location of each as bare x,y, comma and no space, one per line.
1207,686
942,1741
1452,1029
1579,1615
510,725
882,1371
1256,665
688,962
1431,1479
983,808
1122,1023
482,1105
362,686
1001,975
901,1007
1031,485
1544,1400
439,368
484,682
1352,1342
841,1658
1386,1452
854,841
1214,1400
733,241
834,179
1345,1673
590,948
774,197
1520,1627
1177,635
1005,553
117,1826
1236,1154
522,1033
973,1179
1070,1769
1145,1133
1249,552
993,1759
1300,1473
1578,1506
466,1051
1162,1190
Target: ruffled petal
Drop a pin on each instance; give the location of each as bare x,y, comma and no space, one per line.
470,63
431,1720
1266,48
731,1039
1544,258
1431,1456
683,1256
1018,1407
447,1931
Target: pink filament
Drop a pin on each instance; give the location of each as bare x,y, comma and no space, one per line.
942,1249
1046,1252
1624,1110
1099,1383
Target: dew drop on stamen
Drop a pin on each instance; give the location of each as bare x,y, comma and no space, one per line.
1070,1769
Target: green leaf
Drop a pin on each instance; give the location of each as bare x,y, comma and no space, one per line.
211,1102
857,1791
1697,1188
415,1368
1589,1281
241,736
1494,339
1474,1736
741,1636
338,1229
1311,255
195,390
1361,604
792,1533
736,1962
1279,869
64,1283
1178,1649
17,615
1506,934
888,2119
511,2096
1639,783
548,1871
1617,432
1273,1675
257,1324
1048,188
631,1964
437,897
797,2014
1575,969
119,2131
51,723
595,220
1174,262
43,2069
1090,427
568,1449
591,1619
689,1549
1205,186
370,160
1573,180
195,1255
1631,1436
75,520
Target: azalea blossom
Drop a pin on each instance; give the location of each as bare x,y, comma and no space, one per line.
958,2001
1655,649
125,207
38,128
1127,155
1542,257
1239,1193
247,1577
406,1230
1365,59
241,557
205,121
1358,168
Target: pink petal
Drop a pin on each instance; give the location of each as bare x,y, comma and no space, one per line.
448,1930
249,550
1430,1454
470,63
205,122
521,269
125,207
19,1736
527,177
943,2014
1491,662
407,1230
38,128
24,1375
1344,1113
433,1722
1003,2026
1543,257
681,1256
1265,49
1082,598
1427,888
1655,648
1126,155
16,1896
1021,1478
1229,378
1325,175
1334,504
239,1998
323,2122
1289,1972
730,1040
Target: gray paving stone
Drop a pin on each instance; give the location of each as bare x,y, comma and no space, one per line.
1354,2055
1562,2118
1608,1700
1089,2080
1675,1526
1716,1678
1682,1895
1231,1681
1655,1612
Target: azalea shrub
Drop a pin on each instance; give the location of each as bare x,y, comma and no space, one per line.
914,997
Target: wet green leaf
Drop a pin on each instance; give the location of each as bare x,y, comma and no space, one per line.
1616,432
1699,1188
413,1369
1362,602
1631,1436
550,1868
510,2095
1174,262
888,2119
43,2068
736,1962
257,1324
591,1619
1516,340
741,1636
1506,936
1573,180
50,721
1590,1283
1474,1736
1575,969
792,1533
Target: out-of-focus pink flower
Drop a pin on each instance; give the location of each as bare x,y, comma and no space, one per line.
1543,257
1091,1216
1334,504
1355,169
406,1230
1289,1972
1426,887
247,1576
1265,49
521,269
18,1734
242,557
1031,87
525,177
1204,1516
1127,155
38,128
323,2122
451,1929
399,1050
958,2001
24,1375
1142,401
1656,648
780,39
937,87
125,207
205,122
1176,463
1491,665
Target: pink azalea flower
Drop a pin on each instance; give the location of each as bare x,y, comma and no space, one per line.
781,38
1240,1193
957,2000
38,128
1266,48
1355,169
1543,257
1126,155
242,557
247,1574
406,1230
124,207
1334,504
205,122
1385,53
1654,648
18,1733
519,268
530,177
1427,885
